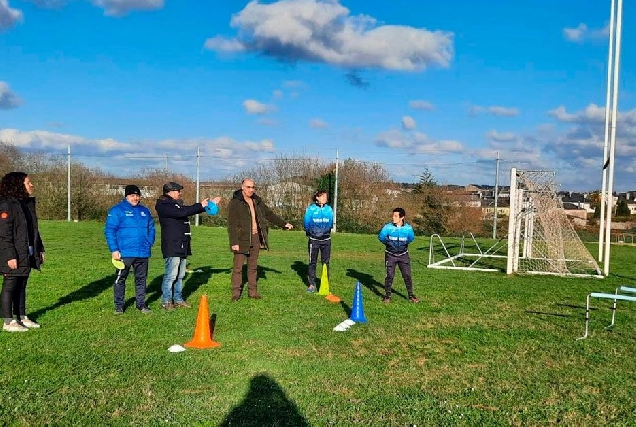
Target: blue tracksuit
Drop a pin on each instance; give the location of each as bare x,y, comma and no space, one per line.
318,221
397,239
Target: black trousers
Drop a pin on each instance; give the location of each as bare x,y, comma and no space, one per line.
14,296
315,246
140,267
403,262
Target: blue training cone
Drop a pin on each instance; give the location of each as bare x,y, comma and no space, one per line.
357,310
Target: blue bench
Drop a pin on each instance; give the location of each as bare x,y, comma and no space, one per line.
615,296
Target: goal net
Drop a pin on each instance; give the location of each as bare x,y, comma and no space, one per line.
541,239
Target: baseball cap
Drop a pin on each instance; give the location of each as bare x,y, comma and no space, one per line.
172,186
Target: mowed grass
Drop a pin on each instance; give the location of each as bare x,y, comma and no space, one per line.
481,348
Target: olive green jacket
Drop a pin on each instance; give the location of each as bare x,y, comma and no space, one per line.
239,222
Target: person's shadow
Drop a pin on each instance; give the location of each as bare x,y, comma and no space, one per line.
302,269
369,282
265,404
88,291
191,282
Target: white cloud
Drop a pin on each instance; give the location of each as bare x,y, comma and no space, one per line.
222,44
408,123
495,136
318,123
582,33
323,31
122,7
8,99
495,110
45,140
8,16
591,113
417,142
252,106
420,104
503,111
265,121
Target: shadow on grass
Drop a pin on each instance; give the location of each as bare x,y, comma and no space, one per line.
548,314
265,404
346,308
191,282
302,269
196,279
370,283
91,290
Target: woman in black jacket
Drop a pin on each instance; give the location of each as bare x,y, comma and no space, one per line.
21,248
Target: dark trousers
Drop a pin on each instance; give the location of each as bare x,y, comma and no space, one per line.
315,246
404,263
140,267
14,296
252,268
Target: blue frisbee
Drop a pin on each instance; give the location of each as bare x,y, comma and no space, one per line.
212,208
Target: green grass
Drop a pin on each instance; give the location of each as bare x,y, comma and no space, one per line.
481,348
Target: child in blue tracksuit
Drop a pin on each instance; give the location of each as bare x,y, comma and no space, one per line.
396,236
318,222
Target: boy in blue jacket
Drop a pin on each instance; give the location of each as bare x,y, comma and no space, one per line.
130,233
396,236
318,223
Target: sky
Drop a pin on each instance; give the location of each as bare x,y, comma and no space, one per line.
445,87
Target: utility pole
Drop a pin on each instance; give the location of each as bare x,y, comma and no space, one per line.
196,218
335,195
68,184
494,225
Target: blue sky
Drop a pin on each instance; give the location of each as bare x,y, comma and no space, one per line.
411,85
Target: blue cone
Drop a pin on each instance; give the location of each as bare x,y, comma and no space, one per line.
212,208
357,310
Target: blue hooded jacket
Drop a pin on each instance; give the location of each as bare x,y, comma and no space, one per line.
396,238
130,230
318,221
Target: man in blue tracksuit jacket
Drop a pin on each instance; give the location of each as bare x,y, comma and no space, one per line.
396,236
130,233
318,223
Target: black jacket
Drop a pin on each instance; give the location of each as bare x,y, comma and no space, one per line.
239,221
175,225
19,230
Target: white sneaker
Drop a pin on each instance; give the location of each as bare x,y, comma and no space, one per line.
14,326
29,323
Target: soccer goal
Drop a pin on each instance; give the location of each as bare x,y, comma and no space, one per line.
541,239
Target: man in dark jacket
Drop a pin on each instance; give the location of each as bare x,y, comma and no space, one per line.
175,241
247,220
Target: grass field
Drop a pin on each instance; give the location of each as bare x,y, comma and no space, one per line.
481,348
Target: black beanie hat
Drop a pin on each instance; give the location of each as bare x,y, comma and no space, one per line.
132,189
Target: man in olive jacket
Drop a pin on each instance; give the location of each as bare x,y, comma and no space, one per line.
248,218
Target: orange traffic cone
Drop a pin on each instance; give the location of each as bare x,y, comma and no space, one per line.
202,335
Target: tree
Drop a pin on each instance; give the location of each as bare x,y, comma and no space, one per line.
622,209
432,212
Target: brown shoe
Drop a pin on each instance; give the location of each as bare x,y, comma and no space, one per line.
256,296
386,300
414,299
182,304
236,297
167,306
